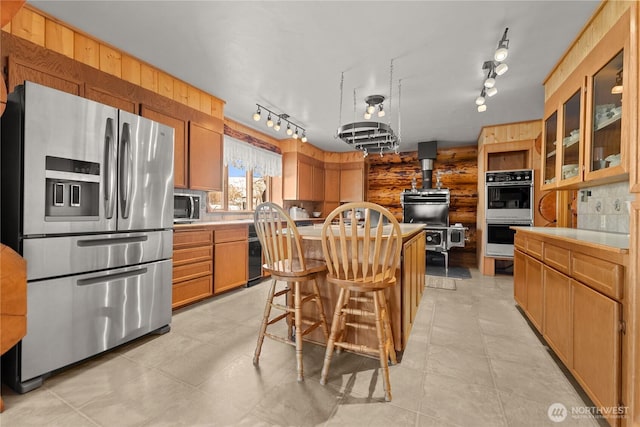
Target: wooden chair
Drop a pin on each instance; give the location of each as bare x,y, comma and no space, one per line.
285,261
362,257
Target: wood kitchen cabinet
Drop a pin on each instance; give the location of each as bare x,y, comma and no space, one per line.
587,132
582,308
192,265
231,257
303,177
596,344
205,158
352,183
180,149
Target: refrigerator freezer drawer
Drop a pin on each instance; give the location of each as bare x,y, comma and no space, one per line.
57,256
76,317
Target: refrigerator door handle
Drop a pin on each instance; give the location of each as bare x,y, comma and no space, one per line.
110,164
126,172
111,277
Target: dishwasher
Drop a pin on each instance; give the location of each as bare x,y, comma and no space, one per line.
255,257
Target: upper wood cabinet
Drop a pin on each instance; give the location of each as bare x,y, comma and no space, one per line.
21,71
587,126
205,158
180,149
352,183
331,182
106,97
303,177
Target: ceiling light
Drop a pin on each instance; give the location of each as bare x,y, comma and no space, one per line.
501,69
617,89
295,134
256,115
480,99
490,82
304,137
283,117
482,108
492,91
503,48
371,136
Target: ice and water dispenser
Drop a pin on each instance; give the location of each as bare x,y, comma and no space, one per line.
72,189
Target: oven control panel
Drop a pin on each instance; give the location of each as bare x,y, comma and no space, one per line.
510,177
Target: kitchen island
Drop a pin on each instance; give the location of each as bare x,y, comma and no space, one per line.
403,298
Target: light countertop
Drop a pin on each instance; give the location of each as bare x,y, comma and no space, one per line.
606,240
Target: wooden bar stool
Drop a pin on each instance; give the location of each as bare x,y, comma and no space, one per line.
362,258
285,261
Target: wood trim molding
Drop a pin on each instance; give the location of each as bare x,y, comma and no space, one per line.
250,136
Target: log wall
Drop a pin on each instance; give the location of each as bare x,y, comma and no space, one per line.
388,176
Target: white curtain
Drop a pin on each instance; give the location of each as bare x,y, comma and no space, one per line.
245,156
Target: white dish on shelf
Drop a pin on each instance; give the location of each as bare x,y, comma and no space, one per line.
607,121
570,140
316,214
614,159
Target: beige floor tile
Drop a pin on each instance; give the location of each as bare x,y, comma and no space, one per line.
456,401
529,413
354,411
40,408
453,362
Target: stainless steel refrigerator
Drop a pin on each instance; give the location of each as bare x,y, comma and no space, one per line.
87,199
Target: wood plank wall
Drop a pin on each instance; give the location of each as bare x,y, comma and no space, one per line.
391,174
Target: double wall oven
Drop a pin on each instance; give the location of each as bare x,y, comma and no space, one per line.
509,197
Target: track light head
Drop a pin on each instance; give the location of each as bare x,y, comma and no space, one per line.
482,108
367,115
289,130
503,48
256,115
381,112
501,69
492,91
304,137
276,127
269,121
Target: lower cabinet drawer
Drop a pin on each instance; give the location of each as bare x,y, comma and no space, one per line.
600,274
557,257
191,291
191,255
191,271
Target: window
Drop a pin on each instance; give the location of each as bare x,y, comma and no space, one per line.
237,184
247,177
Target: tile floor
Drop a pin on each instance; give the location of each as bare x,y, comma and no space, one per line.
472,360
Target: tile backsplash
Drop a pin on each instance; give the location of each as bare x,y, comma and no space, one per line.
605,208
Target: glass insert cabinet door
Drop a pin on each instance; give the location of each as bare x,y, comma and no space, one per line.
550,137
571,136
607,90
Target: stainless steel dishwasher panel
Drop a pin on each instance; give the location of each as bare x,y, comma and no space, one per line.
75,317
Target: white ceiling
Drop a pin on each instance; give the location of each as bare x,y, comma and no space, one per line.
289,55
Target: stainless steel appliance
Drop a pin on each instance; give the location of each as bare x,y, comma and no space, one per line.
186,207
509,202
430,206
87,195
255,257
509,195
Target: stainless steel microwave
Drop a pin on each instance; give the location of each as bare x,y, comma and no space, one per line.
186,207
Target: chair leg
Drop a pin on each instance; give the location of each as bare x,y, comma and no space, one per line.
335,324
343,319
389,342
381,345
298,322
320,306
289,302
265,321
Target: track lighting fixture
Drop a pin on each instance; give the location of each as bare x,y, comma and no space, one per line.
503,48
494,68
277,125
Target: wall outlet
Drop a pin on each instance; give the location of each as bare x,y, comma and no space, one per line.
603,221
